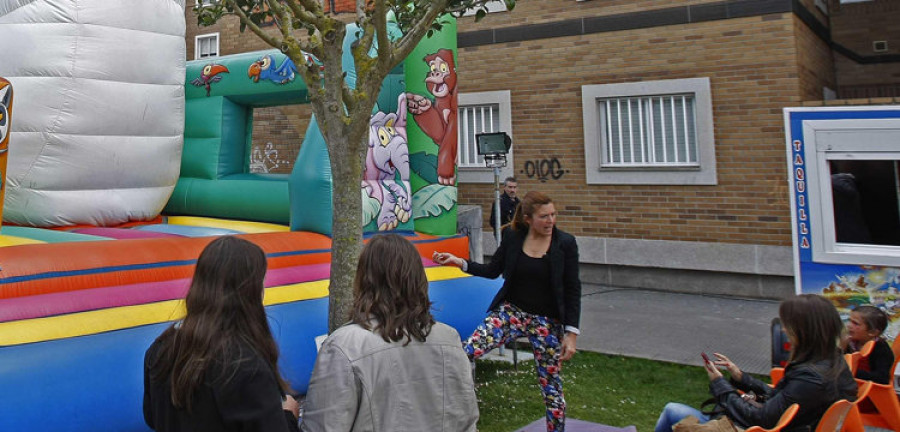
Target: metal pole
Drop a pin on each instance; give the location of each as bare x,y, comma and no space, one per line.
497,205
501,351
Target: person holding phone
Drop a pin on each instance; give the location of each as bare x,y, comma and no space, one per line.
540,297
815,377
217,369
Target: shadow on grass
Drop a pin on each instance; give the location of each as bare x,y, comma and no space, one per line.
612,390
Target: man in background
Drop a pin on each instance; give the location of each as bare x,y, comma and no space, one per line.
508,203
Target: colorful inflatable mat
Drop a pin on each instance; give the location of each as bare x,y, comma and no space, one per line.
78,308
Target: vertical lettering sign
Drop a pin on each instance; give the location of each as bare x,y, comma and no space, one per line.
800,199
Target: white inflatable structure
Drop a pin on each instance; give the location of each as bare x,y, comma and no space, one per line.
99,115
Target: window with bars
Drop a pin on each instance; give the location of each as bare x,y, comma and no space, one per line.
489,111
475,119
206,46
648,131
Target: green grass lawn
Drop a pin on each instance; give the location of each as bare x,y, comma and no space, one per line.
616,391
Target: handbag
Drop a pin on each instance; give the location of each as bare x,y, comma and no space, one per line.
692,424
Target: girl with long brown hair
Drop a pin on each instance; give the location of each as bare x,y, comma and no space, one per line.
217,369
540,298
393,367
816,375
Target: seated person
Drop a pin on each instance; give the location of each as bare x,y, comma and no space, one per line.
816,376
867,323
217,369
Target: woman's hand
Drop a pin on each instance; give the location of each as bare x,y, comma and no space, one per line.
291,404
723,361
568,346
712,370
446,258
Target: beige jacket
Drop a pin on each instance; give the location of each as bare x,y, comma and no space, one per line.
362,383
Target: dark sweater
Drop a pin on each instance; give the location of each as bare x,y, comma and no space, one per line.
242,398
877,366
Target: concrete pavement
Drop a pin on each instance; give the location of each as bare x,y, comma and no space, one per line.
676,327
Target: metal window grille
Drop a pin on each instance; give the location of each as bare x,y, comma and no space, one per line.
207,46
475,119
649,131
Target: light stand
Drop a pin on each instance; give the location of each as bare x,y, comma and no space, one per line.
493,147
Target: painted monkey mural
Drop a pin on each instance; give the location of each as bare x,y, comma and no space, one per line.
386,177
438,119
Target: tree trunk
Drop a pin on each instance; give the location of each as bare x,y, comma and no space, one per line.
346,231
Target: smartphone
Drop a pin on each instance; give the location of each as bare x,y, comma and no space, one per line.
705,357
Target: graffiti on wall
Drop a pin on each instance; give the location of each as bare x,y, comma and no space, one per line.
266,160
544,169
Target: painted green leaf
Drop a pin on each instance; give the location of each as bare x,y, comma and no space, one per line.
370,207
425,165
432,200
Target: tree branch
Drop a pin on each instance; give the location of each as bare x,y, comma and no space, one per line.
408,42
379,19
273,42
304,13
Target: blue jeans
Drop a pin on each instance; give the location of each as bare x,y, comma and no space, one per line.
674,413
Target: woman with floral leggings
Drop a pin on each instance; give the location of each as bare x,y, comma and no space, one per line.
540,298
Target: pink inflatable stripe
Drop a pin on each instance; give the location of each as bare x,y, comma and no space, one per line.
38,306
122,233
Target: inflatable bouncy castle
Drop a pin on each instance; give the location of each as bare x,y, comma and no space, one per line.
124,162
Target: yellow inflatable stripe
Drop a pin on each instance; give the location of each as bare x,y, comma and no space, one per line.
6,240
103,320
444,273
242,226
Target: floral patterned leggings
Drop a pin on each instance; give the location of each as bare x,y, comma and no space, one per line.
511,322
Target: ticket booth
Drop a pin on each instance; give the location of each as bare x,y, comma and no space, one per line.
844,165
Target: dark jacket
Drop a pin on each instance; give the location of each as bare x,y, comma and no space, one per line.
248,400
805,384
877,367
507,210
563,271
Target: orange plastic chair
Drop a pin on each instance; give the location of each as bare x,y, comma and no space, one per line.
834,417
782,422
884,397
853,358
853,422
777,373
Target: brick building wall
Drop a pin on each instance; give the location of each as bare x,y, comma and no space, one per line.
855,27
752,64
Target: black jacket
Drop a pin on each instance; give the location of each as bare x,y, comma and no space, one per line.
563,271
805,384
249,400
877,367
507,210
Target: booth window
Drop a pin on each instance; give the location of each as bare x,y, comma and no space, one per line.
865,204
852,179
657,132
206,46
480,113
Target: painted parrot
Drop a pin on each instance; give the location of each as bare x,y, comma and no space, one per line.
264,69
209,75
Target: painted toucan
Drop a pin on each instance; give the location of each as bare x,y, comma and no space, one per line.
264,69
209,75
